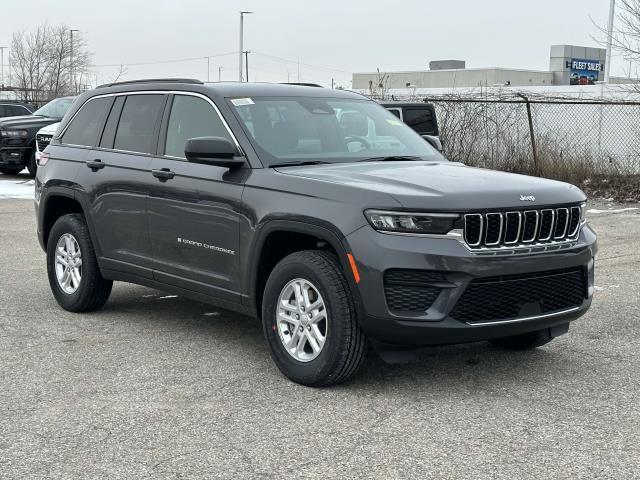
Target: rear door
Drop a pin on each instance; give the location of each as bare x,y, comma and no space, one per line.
194,209
117,171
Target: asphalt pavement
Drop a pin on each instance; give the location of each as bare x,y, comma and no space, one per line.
156,386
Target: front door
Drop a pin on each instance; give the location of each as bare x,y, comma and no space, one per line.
193,209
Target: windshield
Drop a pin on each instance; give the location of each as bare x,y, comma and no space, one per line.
327,130
55,108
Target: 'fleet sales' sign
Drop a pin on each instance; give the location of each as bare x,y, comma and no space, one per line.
584,72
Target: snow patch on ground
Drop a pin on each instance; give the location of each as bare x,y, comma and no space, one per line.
16,186
619,210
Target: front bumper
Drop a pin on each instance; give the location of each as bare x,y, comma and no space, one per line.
376,253
13,157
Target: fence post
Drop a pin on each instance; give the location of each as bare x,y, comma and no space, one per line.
531,133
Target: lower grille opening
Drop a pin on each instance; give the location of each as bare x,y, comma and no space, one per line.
510,297
412,291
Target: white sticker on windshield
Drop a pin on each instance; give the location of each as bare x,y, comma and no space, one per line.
238,102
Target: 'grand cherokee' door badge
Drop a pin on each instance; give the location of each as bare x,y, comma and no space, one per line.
193,243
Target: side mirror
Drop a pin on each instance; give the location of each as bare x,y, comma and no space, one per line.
216,151
434,142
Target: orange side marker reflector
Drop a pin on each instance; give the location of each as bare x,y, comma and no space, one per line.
354,268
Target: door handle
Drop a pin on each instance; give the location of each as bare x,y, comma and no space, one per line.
163,174
95,165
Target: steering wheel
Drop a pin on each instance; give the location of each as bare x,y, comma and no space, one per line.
361,140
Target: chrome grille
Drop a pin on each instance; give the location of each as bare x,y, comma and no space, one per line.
43,141
521,228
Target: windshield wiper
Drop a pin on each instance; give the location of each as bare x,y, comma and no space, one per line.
297,164
392,158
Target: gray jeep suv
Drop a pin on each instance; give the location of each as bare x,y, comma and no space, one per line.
317,211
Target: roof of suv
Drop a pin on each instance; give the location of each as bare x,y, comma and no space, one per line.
227,89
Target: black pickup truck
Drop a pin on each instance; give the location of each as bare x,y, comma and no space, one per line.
18,136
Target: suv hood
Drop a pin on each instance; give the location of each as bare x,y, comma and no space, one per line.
49,129
444,186
26,122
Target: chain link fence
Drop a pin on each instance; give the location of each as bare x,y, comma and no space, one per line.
593,144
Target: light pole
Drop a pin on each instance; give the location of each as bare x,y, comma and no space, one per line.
607,67
71,72
246,62
2,65
219,74
242,14
208,69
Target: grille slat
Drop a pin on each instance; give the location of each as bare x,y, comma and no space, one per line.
509,297
492,230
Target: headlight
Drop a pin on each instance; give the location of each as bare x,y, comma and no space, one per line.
583,213
417,223
14,133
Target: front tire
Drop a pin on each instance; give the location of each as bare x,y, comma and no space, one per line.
32,165
72,267
309,320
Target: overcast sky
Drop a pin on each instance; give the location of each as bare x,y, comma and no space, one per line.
330,38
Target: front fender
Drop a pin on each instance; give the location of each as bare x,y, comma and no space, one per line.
305,225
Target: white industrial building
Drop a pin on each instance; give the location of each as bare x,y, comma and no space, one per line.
568,65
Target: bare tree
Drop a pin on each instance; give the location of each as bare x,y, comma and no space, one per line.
42,63
121,73
625,38
379,87
28,57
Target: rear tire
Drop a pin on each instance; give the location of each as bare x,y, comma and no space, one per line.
342,345
10,171
32,165
526,341
76,286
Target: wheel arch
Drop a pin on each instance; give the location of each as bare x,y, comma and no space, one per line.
289,236
61,201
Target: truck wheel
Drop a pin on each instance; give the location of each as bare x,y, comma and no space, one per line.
73,271
526,341
309,320
10,171
32,166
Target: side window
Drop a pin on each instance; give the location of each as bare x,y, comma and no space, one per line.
138,122
16,110
3,112
191,117
420,119
86,126
395,111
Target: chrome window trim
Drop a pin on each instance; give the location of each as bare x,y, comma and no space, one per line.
552,229
486,233
519,227
152,92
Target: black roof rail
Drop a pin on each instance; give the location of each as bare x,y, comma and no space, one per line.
302,84
154,80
